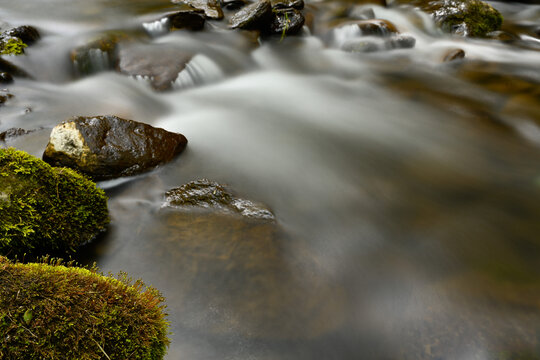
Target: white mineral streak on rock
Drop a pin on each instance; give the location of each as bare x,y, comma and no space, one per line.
67,139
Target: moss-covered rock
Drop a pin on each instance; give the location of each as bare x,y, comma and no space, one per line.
465,17
45,209
10,45
51,311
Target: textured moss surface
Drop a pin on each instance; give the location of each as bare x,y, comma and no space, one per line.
51,311
45,209
11,46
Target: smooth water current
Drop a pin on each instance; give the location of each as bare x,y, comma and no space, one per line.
406,190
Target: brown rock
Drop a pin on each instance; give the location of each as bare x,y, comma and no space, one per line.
106,147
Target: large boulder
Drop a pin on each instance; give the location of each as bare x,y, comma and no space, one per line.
50,311
106,147
44,209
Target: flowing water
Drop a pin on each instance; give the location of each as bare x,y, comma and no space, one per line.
406,189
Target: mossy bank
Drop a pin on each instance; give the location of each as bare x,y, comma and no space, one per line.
51,311
45,209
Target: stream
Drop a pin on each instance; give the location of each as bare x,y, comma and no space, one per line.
406,189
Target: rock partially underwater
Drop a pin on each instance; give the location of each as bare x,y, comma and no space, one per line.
206,194
50,311
45,209
107,147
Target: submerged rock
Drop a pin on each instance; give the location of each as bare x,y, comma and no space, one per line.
11,133
157,64
454,54
237,277
106,147
373,44
64,312
5,78
464,17
376,27
7,67
5,97
211,8
211,195
256,16
46,209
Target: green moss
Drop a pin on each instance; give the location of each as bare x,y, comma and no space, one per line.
478,17
51,311
46,209
11,46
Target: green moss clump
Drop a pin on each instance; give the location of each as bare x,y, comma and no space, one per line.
477,17
51,311
11,46
45,209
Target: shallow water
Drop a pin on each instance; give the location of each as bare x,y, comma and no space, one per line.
406,190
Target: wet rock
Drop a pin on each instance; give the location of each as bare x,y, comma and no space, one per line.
287,4
211,195
464,17
106,147
256,16
99,54
11,133
28,34
372,44
6,66
376,27
211,8
233,4
44,209
5,78
5,97
158,64
503,36
10,45
454,54
187,19
286,22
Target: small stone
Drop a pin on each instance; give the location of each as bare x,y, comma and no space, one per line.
376,27
107,147
11,133
454,54
5,78
256,16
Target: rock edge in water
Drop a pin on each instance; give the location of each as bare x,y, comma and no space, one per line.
48,310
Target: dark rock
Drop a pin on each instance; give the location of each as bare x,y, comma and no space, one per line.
463,17
187,19
28,34
5,78
106,147
287,4
211,195
11,133
211,8
158,64
287,22
233,4
256,16
6,66
5,97
454,54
